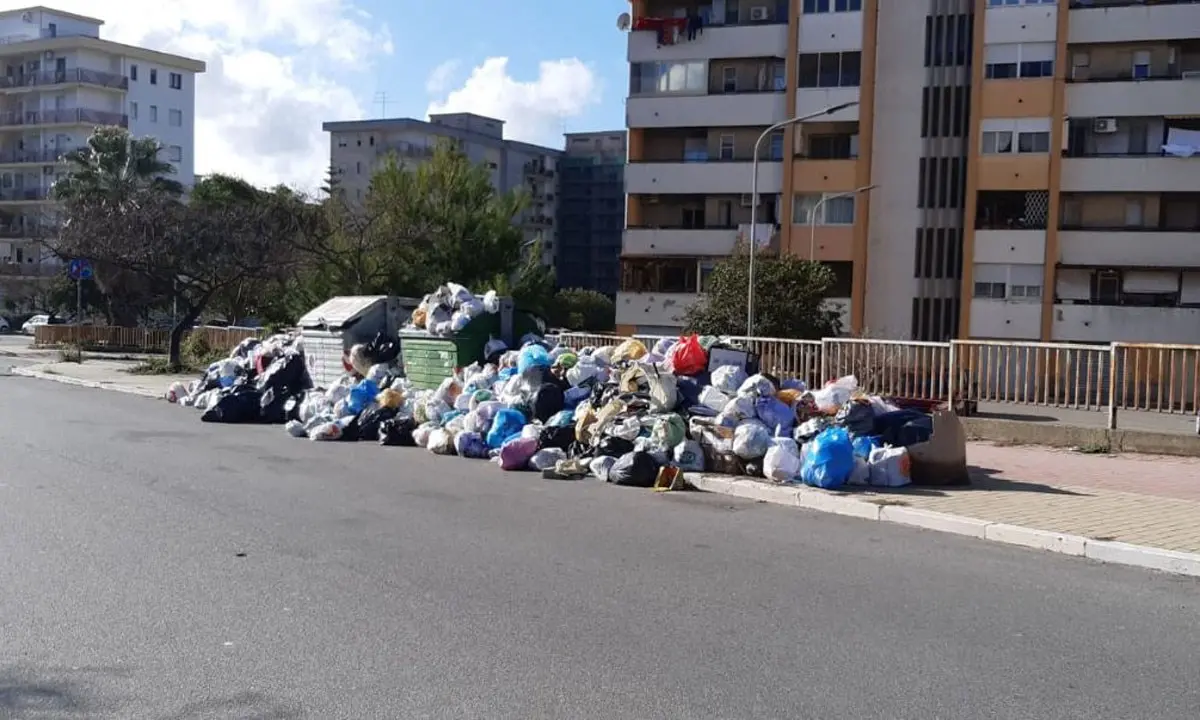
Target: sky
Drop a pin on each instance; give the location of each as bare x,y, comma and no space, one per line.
277,69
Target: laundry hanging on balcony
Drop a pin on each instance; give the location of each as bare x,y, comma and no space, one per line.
668,30
1182,143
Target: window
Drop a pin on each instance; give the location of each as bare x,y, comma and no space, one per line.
779,77
948,40
727,147
997,142
989,290
1080,62
832,147
729,79
174,153
812,7
1013,3
1015,283
153,113
1019,60
153,76
776,149
1033,142
133,110
1141,64
133,72
175,118
826,70
176,81
829,209
652,78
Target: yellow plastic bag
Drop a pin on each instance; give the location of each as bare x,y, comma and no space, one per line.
631,349
789,396
390,398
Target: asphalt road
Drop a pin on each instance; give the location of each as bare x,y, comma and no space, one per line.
155,567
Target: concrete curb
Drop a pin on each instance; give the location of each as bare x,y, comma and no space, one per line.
33,372
1170,561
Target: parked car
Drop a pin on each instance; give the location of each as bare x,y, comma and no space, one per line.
31,325
5,328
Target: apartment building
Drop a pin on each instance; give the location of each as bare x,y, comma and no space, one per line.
591,211
61,80
1084,188
357,147
995,148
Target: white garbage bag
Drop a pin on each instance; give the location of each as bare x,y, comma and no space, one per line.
728,378
890,467
782,462
751,440
713,398
546,458
689,457
491,302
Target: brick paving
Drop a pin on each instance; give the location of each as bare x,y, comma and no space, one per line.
1139,499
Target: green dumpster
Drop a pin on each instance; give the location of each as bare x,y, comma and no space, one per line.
430,359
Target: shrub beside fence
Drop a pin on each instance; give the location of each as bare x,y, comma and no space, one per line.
1099,378
141,340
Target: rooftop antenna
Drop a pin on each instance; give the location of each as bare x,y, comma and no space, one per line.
382,101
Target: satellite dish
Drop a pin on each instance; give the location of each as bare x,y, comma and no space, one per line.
623,22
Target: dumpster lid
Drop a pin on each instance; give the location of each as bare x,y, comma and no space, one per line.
338,312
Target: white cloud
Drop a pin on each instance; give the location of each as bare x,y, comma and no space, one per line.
534,110
441,77
272,79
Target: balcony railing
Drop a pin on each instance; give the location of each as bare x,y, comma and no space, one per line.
701,159
72,116
39,157
1102,4
1130,76
24,194
1090,154
18,232
83,76
1065,227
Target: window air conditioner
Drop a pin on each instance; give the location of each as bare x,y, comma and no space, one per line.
758,13
1104,125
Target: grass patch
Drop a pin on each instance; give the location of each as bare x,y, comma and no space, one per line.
1093,449
196,353
70,353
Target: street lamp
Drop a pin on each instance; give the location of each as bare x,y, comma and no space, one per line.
754,198
812,216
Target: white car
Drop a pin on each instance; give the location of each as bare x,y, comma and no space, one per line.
32,323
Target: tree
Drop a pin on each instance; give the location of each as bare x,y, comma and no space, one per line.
789,298
110,169
195,251
583,310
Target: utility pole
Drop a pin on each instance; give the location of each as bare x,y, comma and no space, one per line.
382,101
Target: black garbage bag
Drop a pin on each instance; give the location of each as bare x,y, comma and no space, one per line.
635,469
397,432
291,408
754,468
273,406
613,446
722,463
242,406
370,420
547,401
557,437
286,375
689,391
382,350
857,417
902,428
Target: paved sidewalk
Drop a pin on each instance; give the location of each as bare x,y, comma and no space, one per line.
1132,509
104,375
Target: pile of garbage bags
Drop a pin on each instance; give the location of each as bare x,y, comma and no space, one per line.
628,414
450,309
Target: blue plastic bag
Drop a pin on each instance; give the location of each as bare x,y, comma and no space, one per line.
864,444
562,419
533,356
775,414
828,459
506,424
362,395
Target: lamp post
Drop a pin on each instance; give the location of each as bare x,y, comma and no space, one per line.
812,216
754,198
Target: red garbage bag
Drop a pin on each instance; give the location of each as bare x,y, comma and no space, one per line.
687,357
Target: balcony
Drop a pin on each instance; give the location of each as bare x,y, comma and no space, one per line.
1131,174
24,195
18,231
33,157
724,110
30,269
1122,96
701,178
1102,324
1115,21
73,116
1129,247
716,41
78,76
1010,247
678,241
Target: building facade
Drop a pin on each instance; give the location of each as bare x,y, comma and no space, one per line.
61,80
1015,169
591,211
357,147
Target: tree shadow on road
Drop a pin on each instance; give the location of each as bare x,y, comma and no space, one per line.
26,694
982,479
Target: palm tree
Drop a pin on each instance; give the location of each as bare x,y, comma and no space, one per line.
110,170
113,165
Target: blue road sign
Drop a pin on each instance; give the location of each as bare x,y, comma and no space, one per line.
79,269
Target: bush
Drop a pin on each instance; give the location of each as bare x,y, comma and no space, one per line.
70,352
